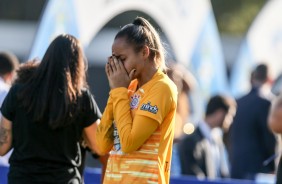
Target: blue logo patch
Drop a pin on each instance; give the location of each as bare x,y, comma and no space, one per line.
148,107
134,101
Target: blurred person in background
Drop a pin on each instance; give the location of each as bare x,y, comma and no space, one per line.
45,116
8,66
185,82
137,126
251,141
203,153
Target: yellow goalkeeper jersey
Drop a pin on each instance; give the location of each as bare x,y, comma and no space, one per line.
150,163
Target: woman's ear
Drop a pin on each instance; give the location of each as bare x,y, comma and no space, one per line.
146,51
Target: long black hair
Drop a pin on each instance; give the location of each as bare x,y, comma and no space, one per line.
51,93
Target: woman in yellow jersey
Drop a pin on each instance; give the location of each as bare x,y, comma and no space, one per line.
137,126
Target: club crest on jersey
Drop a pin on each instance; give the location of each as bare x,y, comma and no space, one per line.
148,107
134,101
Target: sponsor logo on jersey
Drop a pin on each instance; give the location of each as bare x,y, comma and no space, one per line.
148,107
135,99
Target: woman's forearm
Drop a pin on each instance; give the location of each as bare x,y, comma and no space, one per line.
105,130
5,136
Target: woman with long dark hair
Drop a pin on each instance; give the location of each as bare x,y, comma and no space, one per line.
46,116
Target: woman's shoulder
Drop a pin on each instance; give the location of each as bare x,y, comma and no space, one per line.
86,95
165,83
85,92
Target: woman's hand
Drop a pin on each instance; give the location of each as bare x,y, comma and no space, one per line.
117,74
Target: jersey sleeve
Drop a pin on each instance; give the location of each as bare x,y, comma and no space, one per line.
131,130
8,108
105,130
158,102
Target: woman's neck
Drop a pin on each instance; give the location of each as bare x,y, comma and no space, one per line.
147,75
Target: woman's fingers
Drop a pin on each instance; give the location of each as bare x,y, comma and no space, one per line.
122,68
117,66
108,67
116,73
114,63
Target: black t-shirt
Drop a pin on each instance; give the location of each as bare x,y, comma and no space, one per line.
40,153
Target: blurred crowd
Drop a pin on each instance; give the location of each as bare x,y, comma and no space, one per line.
235,138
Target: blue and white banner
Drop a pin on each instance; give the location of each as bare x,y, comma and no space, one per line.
263,44
207,64
59,17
